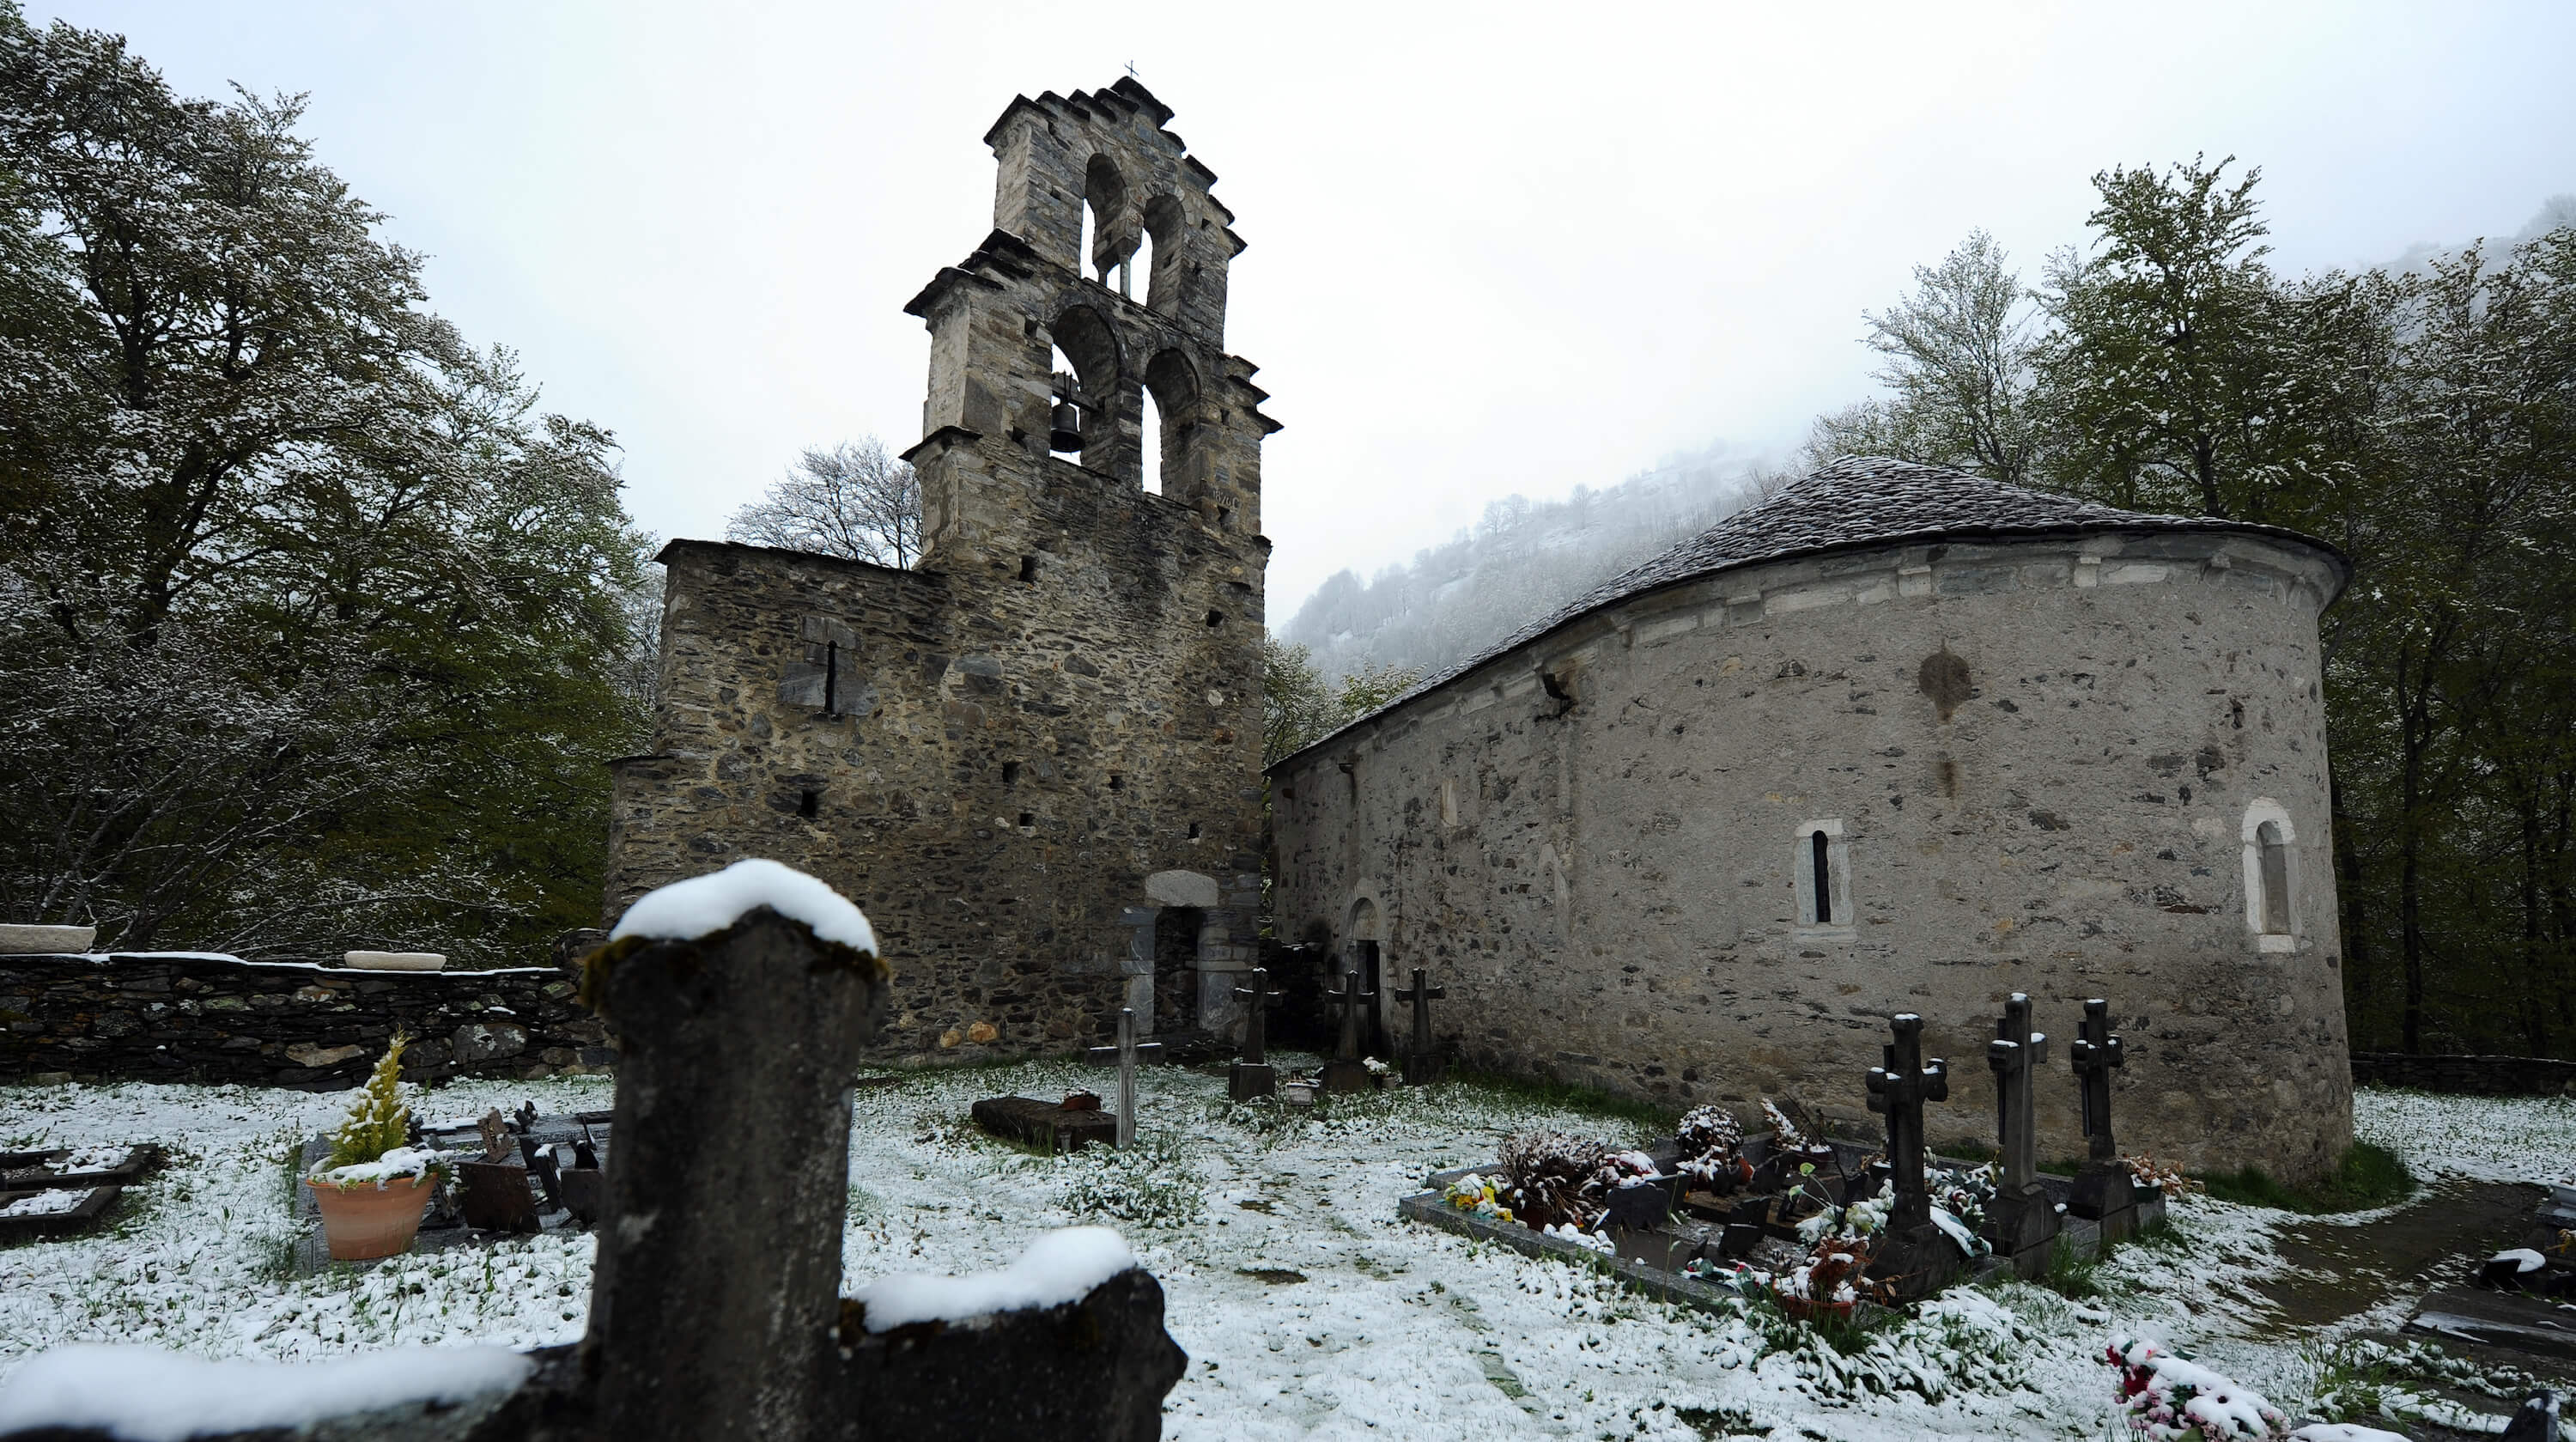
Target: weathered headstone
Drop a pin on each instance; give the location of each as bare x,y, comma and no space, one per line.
492,1192
1124,1056
1346,1072
1253,1075
2103,1189
717,1290
2021,1221
1050,1127
1916,1256
1421,1063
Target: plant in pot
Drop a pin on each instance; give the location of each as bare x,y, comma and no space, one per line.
373,1188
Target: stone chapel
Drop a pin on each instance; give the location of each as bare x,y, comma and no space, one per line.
1898,739
1035,759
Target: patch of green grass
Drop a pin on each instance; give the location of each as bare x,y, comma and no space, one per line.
1655,1117
1721,1422
1966,1149
2160,1235
2063,1166
2069,1275
2368,1176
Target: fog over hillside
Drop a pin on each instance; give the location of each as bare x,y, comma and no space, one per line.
1525,558
1522,559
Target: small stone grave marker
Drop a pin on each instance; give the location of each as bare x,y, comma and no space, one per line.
2103,1191
1124,1056
1346,1072
1253,1075
2021,1221
1917,1256
1421,1063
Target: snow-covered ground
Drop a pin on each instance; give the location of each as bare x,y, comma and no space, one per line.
1307,1307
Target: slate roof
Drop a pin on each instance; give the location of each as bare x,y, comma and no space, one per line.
1855,503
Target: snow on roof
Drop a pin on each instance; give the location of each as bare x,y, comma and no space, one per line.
1854,503
144,1394
710,903
1062,1266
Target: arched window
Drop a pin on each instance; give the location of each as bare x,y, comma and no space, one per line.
1171,430
1820,866
2271,876
1164,275
1108,230
1087,343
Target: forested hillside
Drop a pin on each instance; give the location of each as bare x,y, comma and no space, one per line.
1523,558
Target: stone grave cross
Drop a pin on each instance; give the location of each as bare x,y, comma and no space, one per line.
2095,1055
1421,1068
2021,1221
1124,1056
1253,1075
1346,1072
2014,1054
1897,1091
2102,1189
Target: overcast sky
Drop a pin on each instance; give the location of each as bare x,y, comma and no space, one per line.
1491,250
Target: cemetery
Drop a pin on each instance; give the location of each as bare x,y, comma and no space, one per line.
1202,1254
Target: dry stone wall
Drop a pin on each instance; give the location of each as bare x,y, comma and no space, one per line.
200,1018
2037,765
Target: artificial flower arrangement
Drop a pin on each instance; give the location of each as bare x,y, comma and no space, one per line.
1475,1194
2146,1171
2172,1399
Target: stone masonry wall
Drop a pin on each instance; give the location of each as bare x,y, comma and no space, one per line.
196,1018
1597,840
1035,760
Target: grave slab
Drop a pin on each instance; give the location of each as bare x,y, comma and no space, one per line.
53,1212
1045,1125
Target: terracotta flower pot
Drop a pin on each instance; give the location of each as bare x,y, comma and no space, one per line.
367,1221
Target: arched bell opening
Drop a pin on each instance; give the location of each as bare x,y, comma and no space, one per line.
1109,227
1174,432
1159,259
1086,342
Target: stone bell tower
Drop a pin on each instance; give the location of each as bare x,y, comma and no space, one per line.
1002,427
1143,609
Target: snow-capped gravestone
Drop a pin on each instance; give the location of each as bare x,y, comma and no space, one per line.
2104,1191
741,1001
2021,1220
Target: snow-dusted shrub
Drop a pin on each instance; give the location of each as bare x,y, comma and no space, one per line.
1549,1175
1154,1183
1711,1142
2173,1399
369,1149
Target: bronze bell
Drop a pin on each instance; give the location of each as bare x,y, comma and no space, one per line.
1064,424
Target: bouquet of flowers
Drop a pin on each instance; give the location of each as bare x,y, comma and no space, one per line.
2171,1399
1475,1193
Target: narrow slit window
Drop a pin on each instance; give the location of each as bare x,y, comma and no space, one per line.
809,805
831,678
2275,861
1010,773
1820,870
1028,570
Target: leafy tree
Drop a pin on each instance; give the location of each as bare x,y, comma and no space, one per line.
1959,373
318,615
853,501
1297,709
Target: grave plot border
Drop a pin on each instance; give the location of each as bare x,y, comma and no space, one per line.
1431,1208
84,1212
22,1171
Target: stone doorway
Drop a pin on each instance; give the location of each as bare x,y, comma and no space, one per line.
1176,974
